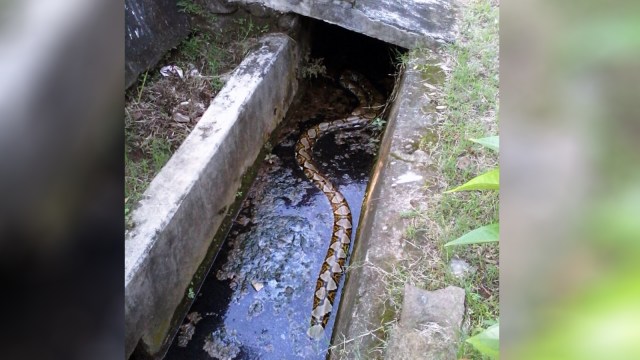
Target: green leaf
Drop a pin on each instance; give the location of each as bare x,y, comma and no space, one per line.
487,233
488,341
492,142
487,181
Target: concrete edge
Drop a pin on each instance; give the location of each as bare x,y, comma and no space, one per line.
360,21
185,204
351,290
378,242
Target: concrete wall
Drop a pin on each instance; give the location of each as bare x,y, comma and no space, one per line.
152,27
187,201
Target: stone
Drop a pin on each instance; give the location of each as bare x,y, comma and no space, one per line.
288,22
409,344
429,324
258,10
444,307
221,7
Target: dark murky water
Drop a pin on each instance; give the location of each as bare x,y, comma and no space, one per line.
256,301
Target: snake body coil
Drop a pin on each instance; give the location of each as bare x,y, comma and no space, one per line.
332,267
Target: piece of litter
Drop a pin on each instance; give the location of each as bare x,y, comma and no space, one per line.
171,69
460,268
257,285
408,177
181,118
429,86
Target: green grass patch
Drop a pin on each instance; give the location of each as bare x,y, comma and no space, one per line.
140,169
470,104
463,96
471,100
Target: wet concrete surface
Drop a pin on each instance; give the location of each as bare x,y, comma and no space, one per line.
256,301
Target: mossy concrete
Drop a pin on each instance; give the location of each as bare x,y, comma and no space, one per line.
397,183
186,202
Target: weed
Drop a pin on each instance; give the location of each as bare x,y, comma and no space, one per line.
191,8
313,67
245,28
410,214
411,232
194,9
217,84
191,47
160,152
399,58
378,124
141,87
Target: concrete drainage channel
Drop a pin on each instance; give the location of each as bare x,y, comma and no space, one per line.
188,200
186,213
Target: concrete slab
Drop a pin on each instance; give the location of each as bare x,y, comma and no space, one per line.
185,204
406,23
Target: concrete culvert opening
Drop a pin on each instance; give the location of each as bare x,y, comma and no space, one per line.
257,299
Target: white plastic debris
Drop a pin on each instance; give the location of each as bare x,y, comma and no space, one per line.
171,70
181,118
257,285
408,177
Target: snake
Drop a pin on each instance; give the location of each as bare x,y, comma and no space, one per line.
369,103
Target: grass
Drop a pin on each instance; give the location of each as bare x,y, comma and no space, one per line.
194,9
461,83
151,132
470,97
140,170
247,28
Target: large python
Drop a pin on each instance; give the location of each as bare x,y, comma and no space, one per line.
370,101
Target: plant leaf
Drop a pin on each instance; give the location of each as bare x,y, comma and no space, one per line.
492,142
483,234
487,181
488,341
